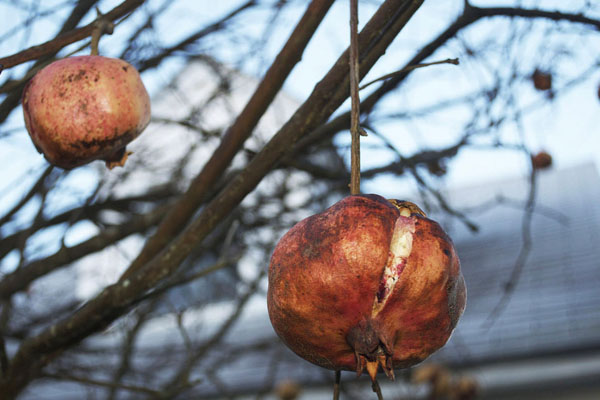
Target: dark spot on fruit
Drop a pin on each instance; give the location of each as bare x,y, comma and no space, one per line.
447,252
78,77
124,68
104,144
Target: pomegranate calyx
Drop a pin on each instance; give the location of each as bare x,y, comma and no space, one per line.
370,349
117,159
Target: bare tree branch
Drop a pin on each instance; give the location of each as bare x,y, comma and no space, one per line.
22,277
236,135
183,44
87,211
355,101
327,96
482,12
62,376
65,38
468,17
32,192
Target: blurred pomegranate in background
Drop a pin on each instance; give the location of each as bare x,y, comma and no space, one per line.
541,160
369,282
541,80
85,108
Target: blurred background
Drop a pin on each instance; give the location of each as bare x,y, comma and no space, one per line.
502,149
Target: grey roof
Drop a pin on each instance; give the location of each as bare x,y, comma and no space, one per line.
554,308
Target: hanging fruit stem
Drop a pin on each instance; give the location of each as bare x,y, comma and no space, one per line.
337,384
355,108
377,390
355,131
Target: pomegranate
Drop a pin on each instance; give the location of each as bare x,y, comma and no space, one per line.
85,108
369,282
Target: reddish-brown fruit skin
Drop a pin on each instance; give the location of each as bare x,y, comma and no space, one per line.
84,108
325,273
541,80
541,160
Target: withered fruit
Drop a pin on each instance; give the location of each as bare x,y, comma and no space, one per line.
541,80
369,282
85,108
541,160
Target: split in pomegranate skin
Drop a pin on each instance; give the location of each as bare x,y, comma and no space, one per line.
369,282
85,108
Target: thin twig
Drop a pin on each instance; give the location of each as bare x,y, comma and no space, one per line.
337,385
128,347
377,389
519,265
235,136
63,40
410,68
3,357
100,383
181,381
39,183
470,16
20,279
355,112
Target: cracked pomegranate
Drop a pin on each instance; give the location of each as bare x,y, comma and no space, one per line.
85,108
369,282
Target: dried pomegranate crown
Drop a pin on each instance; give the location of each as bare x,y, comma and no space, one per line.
369,282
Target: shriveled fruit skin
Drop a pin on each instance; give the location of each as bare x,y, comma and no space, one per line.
541,80
326,296
84,108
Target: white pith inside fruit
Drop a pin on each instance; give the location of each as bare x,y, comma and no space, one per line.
400,248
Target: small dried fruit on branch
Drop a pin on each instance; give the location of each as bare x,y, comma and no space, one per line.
85,108
541,80
541,160
369,282
437,167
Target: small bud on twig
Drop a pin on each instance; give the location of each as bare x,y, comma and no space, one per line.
453,61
